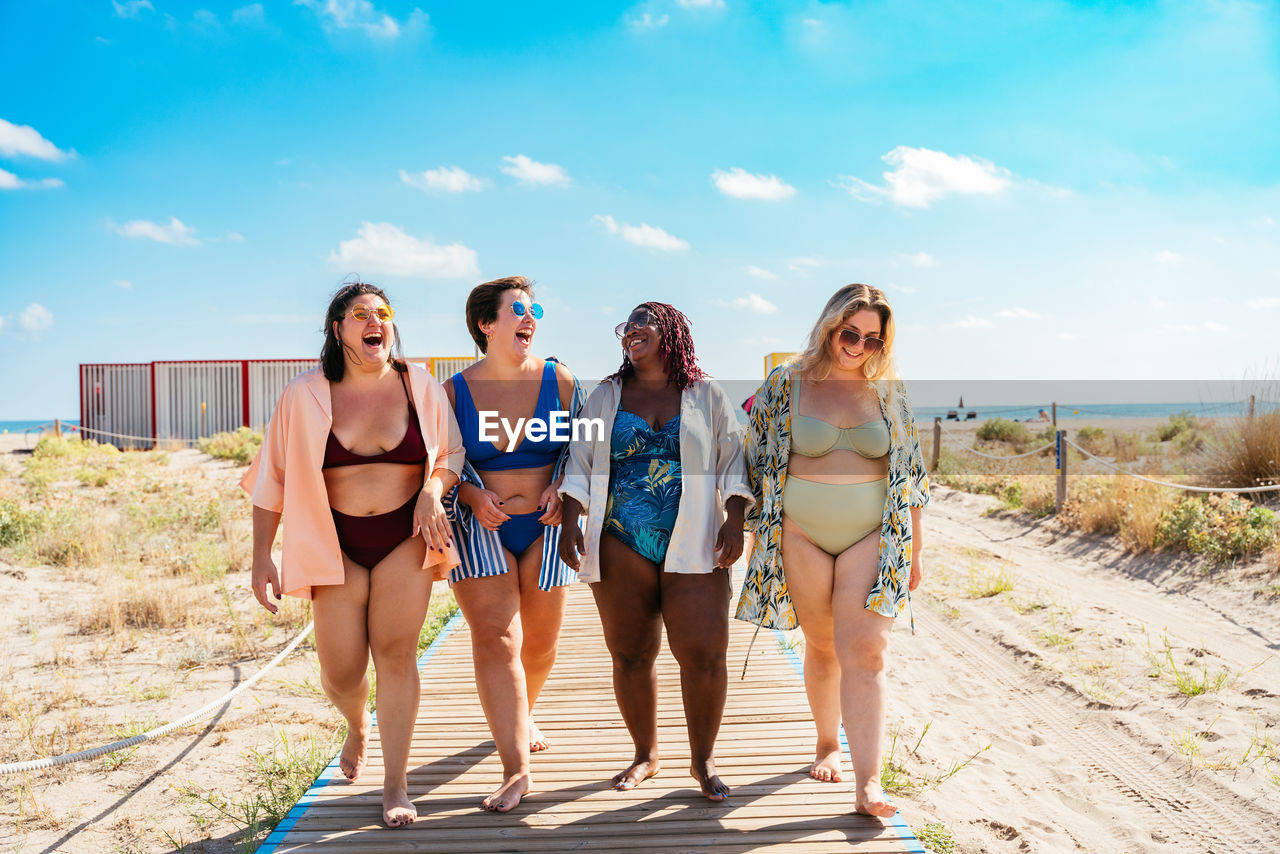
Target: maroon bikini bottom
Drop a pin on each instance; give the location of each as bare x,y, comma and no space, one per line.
369,539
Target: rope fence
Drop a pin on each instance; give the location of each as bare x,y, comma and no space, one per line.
200,713
1060,445
97,432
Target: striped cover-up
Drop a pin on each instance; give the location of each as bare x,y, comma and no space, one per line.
480,549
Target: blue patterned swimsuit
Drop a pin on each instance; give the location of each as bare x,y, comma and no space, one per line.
644,484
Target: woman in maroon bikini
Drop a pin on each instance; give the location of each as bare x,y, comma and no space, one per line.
356,458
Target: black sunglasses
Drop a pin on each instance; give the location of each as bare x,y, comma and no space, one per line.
849,338
623,328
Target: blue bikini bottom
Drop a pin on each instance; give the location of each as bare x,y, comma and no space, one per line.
521,531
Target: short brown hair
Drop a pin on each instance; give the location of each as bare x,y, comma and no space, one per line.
483,302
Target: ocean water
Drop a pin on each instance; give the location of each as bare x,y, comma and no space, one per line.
32,426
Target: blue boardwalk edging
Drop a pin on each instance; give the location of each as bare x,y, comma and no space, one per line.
331,771
897,824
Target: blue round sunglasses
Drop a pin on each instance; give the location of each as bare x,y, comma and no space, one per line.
517,308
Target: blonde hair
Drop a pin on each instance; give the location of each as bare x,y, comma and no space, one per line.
816,359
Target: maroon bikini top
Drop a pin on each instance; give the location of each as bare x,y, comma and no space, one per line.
412,449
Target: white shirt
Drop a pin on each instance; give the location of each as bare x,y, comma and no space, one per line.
712,469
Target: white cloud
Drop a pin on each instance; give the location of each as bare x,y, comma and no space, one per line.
1066,336
971,322
647,22
26,141
253,13
1265,302
175,233
754,302
131,8
534,174
1167,256
905,289
803,265
235,237
1193,328
919,259
446,179
648,236
206,18
1159,304
362,16
759,273
1015,311
380,247
35,319
741,184
10,181
702,4
921,176
123,283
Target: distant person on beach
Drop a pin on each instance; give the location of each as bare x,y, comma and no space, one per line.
511,583
357,457
1042,415
839,483
664,490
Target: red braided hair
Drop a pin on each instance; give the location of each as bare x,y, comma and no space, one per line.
676,348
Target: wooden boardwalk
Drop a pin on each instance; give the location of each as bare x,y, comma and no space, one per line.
763,752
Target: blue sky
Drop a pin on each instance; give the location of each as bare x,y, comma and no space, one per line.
1046,190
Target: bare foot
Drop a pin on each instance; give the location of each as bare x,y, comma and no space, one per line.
827,765
637,772
507,796
712,788
871,801
354,749
397,809
537,741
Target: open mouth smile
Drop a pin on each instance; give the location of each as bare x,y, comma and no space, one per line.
373,339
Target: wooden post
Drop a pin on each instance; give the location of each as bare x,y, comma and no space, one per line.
1251,399
1060,465
57,425
1055,416
937,442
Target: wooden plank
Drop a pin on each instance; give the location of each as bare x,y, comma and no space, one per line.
763,753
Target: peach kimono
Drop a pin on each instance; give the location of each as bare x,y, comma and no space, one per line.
295,441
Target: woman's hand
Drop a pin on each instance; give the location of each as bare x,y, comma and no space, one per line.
572,544
429,519
549,502
729,540
264,574
729,543
917,572
485,505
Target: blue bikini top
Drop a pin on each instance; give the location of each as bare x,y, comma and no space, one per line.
527,454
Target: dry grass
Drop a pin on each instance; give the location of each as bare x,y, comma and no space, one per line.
1247,452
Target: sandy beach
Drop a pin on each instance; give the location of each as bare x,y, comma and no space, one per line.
1047,717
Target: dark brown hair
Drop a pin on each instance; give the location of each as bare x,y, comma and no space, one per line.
331,354
676,348
483,302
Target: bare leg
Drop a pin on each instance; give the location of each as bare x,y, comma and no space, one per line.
399,591
861,639
695,609
627,597
810,573
541,614
491,607
342,647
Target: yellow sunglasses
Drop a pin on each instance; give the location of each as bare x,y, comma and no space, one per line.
362,312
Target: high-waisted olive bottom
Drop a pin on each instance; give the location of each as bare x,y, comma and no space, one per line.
835,515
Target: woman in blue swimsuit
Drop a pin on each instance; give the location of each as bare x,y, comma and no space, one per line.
659,540
511,582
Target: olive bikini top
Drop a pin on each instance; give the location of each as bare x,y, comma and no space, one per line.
813,437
